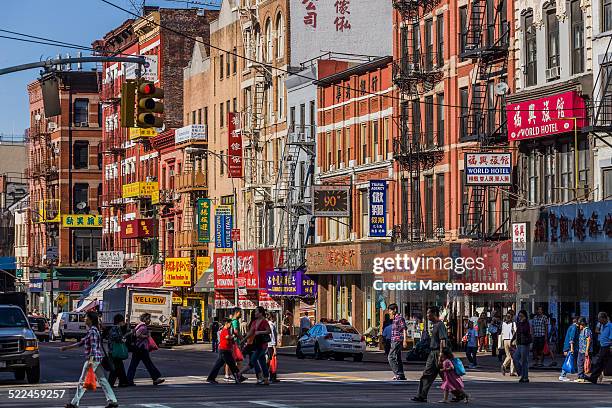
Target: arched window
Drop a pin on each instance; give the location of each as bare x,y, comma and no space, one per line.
280,35
269,41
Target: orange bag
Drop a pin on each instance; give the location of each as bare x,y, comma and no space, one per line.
236,353
90,379
273,364
546,349
587,364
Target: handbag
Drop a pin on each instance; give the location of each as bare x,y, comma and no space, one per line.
119,351
151,344
459,367
569,366
90,379
546,349
236,353
273,364
587,364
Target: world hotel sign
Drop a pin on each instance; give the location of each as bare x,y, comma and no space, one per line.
545,116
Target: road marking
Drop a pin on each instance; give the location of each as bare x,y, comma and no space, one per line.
213,404
272,404
154,405
337,376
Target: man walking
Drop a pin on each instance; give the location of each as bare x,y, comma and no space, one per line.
572,336
399,339
605,352
540,331
437,343
214,335
235,331
304,323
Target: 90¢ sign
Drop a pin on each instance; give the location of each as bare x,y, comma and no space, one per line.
331,201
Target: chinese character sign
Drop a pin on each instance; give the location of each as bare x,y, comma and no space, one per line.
203,219
343,13
81,221
177,272
223,228
492,169
378,208
234,151
202,264
545,116
250,264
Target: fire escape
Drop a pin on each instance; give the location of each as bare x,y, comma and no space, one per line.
483,121
414,73
601,105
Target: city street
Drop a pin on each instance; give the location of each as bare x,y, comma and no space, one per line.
304,383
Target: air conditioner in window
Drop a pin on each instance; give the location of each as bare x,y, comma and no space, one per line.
51,126
170,226
151,179
553,73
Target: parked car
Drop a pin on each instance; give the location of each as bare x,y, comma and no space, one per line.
40,326
331,339
69,325
18,345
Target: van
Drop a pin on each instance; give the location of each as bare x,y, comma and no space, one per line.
70,325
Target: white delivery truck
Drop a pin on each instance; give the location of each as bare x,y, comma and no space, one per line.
133,302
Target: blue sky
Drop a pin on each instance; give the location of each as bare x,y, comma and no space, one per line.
73,21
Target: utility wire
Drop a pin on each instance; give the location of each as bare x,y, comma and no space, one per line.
67,44
42,42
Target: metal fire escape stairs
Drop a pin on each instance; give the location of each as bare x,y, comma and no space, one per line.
414,74
601,101
491,57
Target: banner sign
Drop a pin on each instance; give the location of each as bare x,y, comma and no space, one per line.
146,228
203,219
234,152
190,133
36,285
331,201
140,189
110,259
519,246
378,208
223,227
140,133
497,266
284,283
253,266
177,272
81,221
546,116
488,169
202,264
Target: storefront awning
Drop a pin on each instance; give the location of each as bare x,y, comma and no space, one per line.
206,283
150,277
96,290
87,306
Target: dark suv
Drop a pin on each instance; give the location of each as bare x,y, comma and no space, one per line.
18,345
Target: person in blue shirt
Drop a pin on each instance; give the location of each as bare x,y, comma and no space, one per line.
585,347
471,345
386,334
605,343
571,338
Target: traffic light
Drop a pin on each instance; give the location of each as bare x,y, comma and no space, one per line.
128,96
146,105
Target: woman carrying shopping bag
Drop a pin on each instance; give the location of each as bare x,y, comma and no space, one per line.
93,351
144,345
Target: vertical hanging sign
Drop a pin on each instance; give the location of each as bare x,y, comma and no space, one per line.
234,151
378,208
203,220
223,228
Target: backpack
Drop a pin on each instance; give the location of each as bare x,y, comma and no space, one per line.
459,368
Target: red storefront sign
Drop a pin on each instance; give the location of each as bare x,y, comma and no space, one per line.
235,234
139,228
253,266
224,299
545,116
497,260
234,159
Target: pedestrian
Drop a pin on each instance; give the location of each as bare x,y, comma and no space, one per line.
259,337
524,338
143,347
481,326
272,346
508,332
227,340
572,336
540,330
304,323
604,356
495,329
399,339
437,343
386,334
471,345
93,351
195,326
236,332
119,351
553,340
214,334
452,382
585,348
287,323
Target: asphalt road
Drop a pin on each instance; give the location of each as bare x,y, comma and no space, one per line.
304,383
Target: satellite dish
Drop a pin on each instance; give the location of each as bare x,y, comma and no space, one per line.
81,205
501,88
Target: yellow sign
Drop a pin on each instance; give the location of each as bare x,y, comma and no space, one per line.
141,189
81,221
176,299
202,264
177,272
149,299
48,211
137,133
155,197
61,300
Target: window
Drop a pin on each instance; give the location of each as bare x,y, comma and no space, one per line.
199,116
492,210
365,225
270,103
416,42
440,39
81,154
313,118
533,177
206,115
292,119
577,20
404,202
607,183
440,109
234,60
463,128
429,45
385,138
222,163
280,96
269,41
491,108
463,24
429,228
221,66
280,33
549,174
338,147
531,51
270,222
440,202
328,148
193,117
375,141
364,142
416,207
80,198
302,117
227,106
465,203
81,112
606,24
583,168
405,51
86,244
490,31
566,183
221,115
235,105
416,121
552,38
348,142
429,121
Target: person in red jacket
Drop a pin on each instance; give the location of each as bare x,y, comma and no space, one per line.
226,344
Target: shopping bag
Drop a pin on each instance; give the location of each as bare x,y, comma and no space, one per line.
90,379
546,349
152,345
587,364
273,364
569,366
119,351
459,367
236,353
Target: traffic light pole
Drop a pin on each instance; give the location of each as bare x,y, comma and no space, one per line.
49,64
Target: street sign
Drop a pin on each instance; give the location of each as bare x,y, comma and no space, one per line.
110,259
235,234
